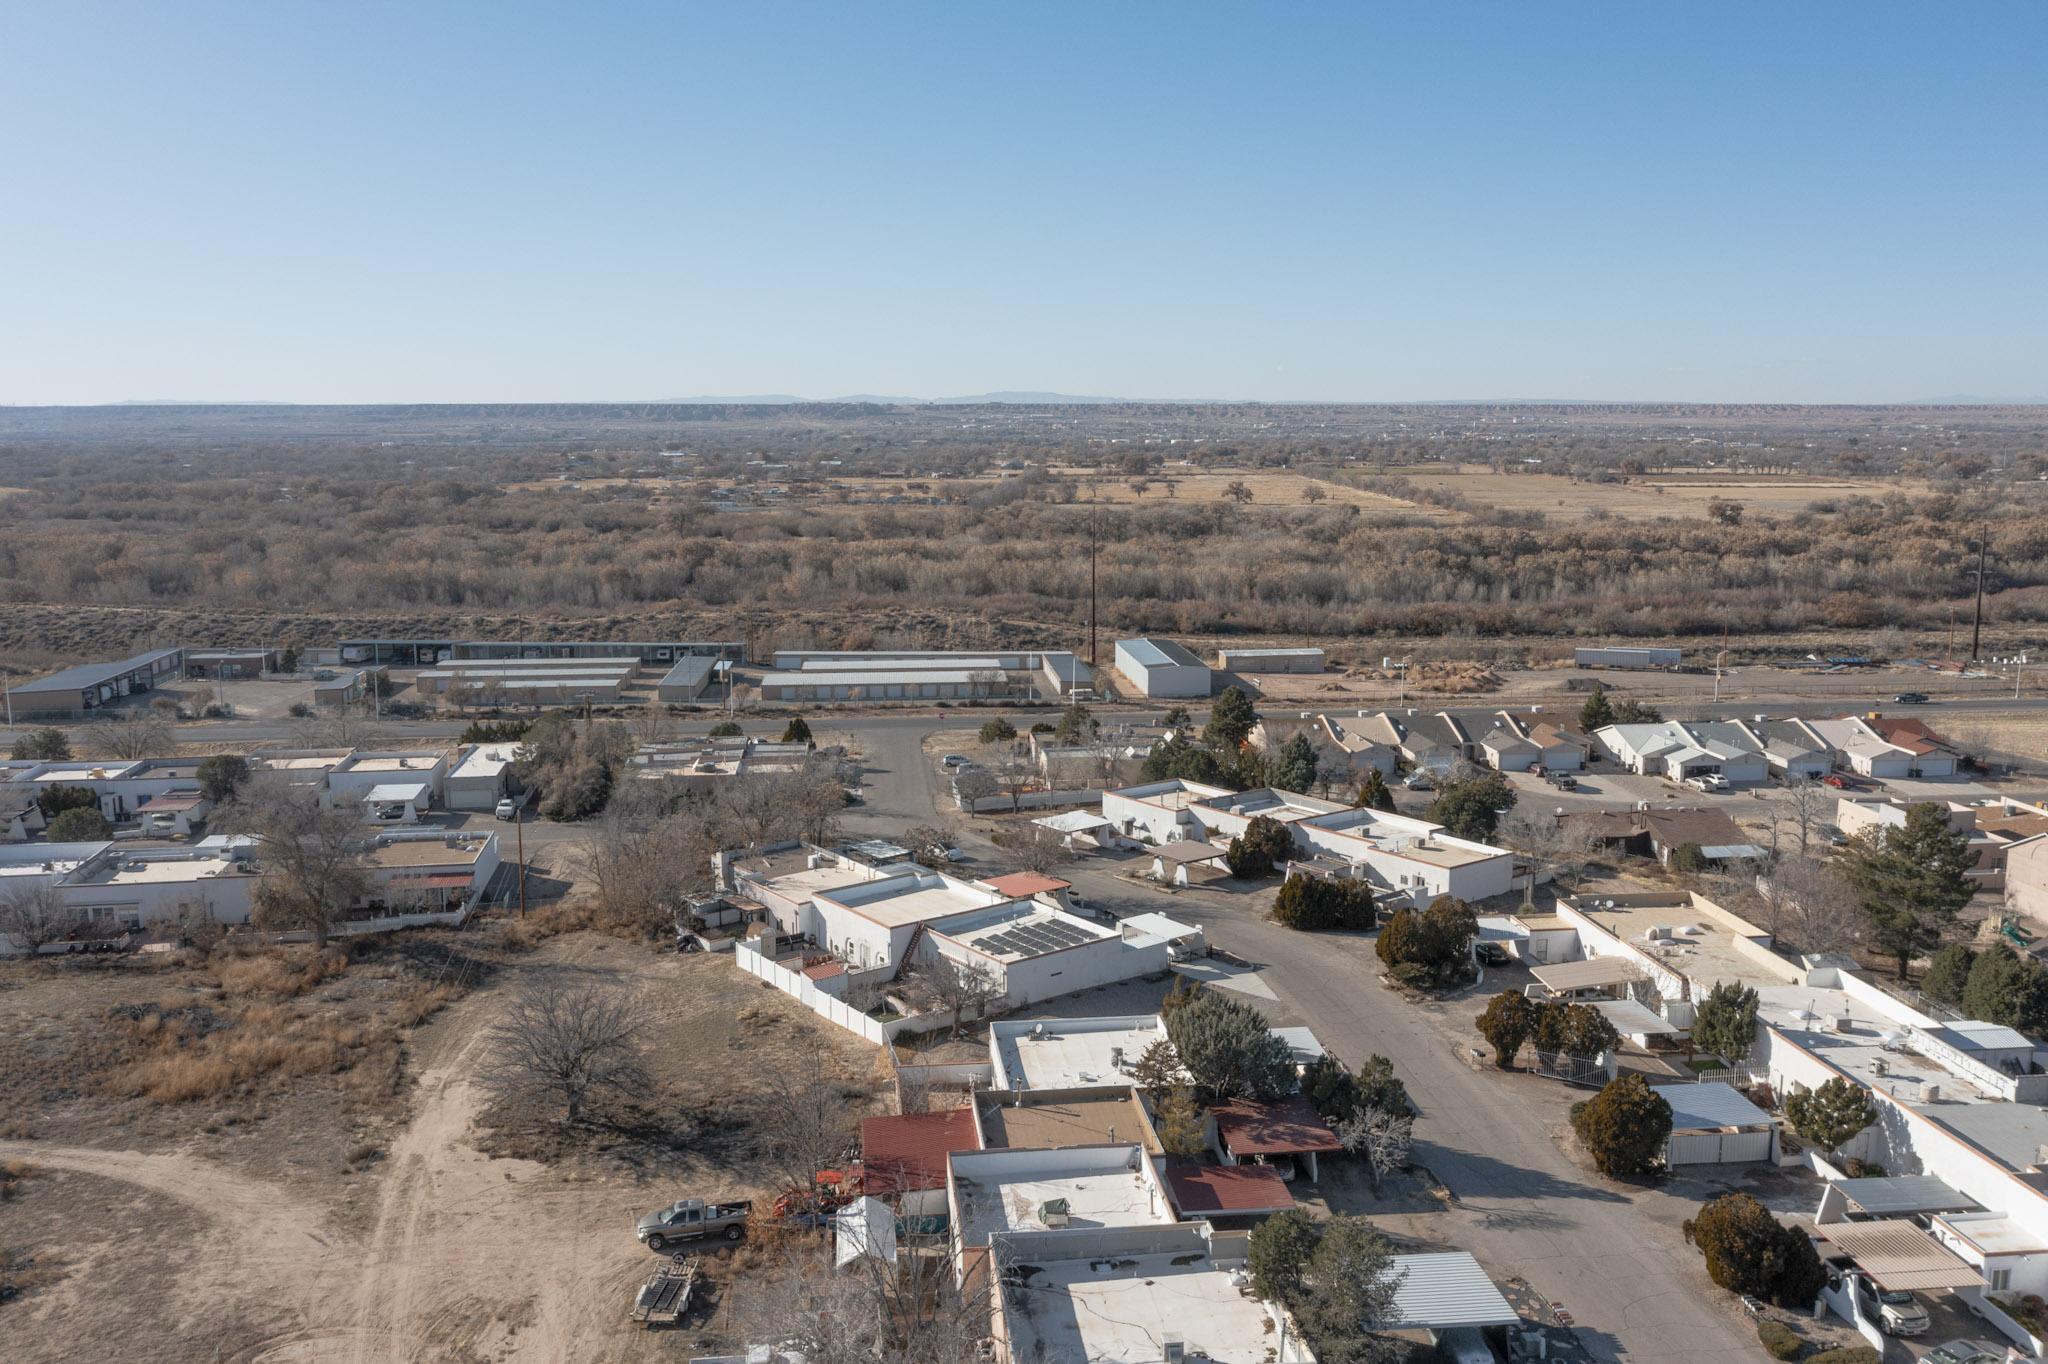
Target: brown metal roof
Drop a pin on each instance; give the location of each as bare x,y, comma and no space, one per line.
1899,1256
1227,1190
1588,974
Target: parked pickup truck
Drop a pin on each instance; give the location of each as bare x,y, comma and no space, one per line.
692,1219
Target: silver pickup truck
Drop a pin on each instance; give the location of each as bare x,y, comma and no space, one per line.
691,1219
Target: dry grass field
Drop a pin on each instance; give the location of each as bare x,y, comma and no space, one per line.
1674,494
303,1212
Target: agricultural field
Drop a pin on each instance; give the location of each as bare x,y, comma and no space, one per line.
1678,494
238,1151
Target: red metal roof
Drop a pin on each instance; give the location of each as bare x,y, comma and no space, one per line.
825,969
1283,1127
1221,1190
1023,883
903,1153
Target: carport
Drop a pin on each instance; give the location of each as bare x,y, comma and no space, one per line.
1079,824
407,798
1712,1124
1442,1292
1593,973
1175,862
1898,1256
1890,1196
1635,1022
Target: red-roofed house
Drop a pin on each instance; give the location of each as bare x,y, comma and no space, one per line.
173,812
1933,756
1228,1190
903,1157
1250,1129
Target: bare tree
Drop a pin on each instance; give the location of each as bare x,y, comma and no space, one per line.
987,683
807,1123
1036,849
131,732
348,727
1381,1135
643,865
1313,493
927,844
1821,910
311,854
976,784
912,1310
1806,801
651,723
35,916
566,1042
957,987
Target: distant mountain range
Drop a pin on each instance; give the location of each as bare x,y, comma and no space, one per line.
886,400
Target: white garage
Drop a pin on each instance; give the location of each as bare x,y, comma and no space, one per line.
1713,1124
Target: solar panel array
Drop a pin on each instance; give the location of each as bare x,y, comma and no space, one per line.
1031,938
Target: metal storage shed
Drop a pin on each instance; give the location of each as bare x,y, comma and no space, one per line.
1712,1124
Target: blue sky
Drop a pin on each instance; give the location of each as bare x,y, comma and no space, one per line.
505,202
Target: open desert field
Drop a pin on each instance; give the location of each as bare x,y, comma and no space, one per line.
353,1192
1660,494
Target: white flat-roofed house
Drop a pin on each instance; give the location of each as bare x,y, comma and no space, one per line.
1036,951
1070,1053
1162,668
481,777
1160,811
129,888
1137,1295
350,781
991,1194
422,872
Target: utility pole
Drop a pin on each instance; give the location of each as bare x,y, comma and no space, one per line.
519,824
1093,661
1977,623
1949,653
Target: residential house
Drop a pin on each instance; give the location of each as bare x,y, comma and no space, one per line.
1661,832
1507,751
1788,749
1677,750
1854,745
1434,743
1344,753
1561,745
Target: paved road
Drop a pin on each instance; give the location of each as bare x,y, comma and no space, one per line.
1636,1292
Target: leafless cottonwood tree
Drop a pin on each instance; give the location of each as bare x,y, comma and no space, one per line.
1807,803
311,854
565,1042
1821,912
1034,849
34,916
131,732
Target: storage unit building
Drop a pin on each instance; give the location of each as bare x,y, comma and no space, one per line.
1270,660
75,691
687,681
232,662
1625,658
1160,667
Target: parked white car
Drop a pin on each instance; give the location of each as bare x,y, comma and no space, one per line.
1708,781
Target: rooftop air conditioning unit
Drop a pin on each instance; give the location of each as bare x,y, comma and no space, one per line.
1930,1093
1879,1066
1176,1350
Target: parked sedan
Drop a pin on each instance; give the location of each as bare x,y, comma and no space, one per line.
1965,1352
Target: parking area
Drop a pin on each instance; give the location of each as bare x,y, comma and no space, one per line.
269,698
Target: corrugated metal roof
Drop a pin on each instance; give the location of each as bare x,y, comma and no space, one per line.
902,1153
1899,1256
1585,975
91,674
1443,1290
1631,1019
1901,1194
1708,1107
1158,653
